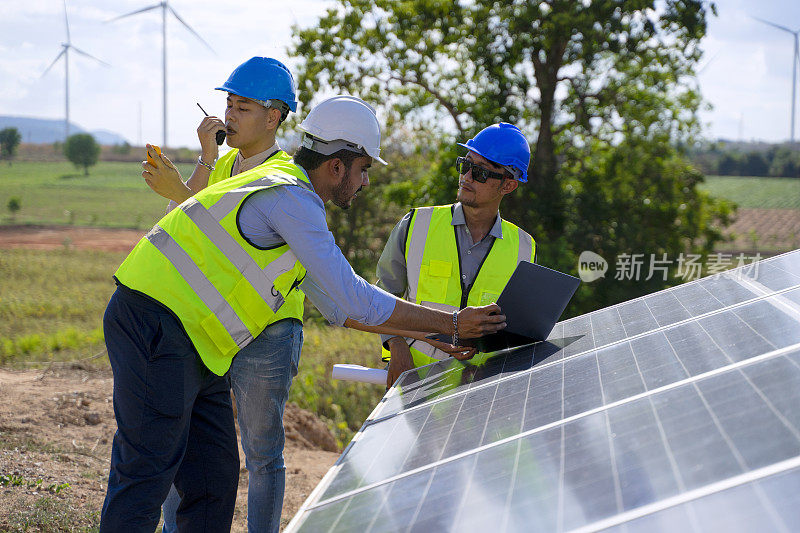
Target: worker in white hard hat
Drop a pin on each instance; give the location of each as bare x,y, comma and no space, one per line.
203,284
460,254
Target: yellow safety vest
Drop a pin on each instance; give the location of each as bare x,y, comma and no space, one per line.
222,170
434,270
223,289
224,167
293,307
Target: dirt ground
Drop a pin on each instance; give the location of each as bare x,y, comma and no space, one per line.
56,425
52,237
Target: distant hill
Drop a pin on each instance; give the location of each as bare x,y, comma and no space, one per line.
47,131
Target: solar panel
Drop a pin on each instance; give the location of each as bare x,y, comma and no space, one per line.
679,410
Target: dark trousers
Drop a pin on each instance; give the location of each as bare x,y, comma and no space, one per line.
174,424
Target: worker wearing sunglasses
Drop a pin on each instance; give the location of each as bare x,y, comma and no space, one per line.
479,173
451,256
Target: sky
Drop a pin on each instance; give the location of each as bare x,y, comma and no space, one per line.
745,77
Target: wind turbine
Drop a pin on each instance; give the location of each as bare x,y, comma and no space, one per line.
65,47
164,5
795,60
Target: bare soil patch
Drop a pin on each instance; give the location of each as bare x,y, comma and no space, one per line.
54,237
57,426
771,230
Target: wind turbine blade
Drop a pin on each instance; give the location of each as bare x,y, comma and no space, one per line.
90,56
134,12
707,63
63,51
190,29
784,28
66,21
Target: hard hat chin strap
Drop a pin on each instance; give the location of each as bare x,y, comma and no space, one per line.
315,144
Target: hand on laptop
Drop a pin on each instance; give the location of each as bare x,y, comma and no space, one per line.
480,321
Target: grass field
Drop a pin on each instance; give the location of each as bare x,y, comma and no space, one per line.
51,308
112,195
756,193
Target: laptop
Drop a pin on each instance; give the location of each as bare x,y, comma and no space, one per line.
532,300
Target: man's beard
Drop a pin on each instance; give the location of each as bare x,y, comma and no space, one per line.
460,198
340,196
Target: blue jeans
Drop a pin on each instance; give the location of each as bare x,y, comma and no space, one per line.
174,424
260,375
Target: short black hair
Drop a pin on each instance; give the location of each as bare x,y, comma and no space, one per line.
311,160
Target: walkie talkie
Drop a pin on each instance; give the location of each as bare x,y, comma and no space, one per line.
220,134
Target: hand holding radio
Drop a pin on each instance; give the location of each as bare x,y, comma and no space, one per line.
211,133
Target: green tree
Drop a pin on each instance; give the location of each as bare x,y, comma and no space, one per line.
82,150
599,85
9,141
755,164
14,204
785,162
730,164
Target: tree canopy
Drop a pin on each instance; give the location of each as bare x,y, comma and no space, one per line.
82,150
604,91
9,140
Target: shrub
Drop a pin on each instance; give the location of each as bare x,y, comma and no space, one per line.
82,150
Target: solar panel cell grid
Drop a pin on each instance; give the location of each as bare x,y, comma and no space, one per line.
659,413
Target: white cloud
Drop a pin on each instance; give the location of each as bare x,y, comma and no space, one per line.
748,81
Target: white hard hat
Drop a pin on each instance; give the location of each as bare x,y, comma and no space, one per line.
343,122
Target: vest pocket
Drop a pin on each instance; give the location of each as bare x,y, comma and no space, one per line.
218,334
488,297
433,286
440,269
250,303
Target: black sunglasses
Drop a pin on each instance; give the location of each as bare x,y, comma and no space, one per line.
479,174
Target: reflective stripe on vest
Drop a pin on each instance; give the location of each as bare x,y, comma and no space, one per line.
228,203
427,349
416,248
442,248
200,284
224,290
238,256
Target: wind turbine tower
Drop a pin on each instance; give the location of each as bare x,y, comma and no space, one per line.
164,5
65,48
795,60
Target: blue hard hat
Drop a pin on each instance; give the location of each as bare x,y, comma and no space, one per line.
262,78
503,144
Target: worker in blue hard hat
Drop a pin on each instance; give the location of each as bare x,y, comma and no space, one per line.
261,93
452,256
